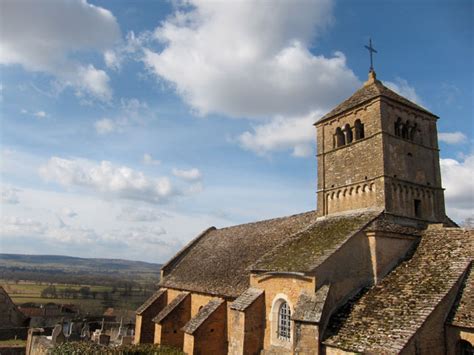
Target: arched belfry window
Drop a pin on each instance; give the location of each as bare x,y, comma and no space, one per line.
348,133
398,127
359,130
413,132
405,130
284,322
340,139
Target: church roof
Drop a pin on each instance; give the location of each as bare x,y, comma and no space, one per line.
307,249
384,318
217,261
310,306
165,312
462,314
371,90
203,314
149,301
246,299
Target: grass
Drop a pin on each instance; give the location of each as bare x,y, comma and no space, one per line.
26,292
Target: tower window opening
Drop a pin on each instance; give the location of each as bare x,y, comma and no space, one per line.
398,127
348,133
340,138
405,131
284,322
417,205
359,130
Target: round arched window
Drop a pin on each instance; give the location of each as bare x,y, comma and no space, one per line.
284,323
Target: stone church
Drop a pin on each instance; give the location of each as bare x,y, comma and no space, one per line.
378,268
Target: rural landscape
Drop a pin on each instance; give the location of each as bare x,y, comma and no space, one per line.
92,285
82,295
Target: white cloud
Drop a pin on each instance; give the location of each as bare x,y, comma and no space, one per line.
9,195
105,178
459,185
189,175
46,35
20,227
104,126
282,133
404,89
235,59
40,114
141,214
148,160
452,137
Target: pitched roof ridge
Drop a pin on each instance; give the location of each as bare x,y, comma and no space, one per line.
345,240
170,307
204,313
358,98
181,253
462,311
309,307
246,299
281,244
150,301
301,233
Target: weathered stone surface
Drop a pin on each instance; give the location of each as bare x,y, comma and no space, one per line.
310,306
202,316
218,262
307,249
150,301
388,315
170,307
462,314
246,299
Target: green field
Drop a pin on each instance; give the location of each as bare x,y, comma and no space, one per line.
25,292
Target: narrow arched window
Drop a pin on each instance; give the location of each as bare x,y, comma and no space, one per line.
284,322
405,130
398,129
359,129
340,139
348,133
413,132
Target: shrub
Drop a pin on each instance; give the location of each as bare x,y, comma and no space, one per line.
89,348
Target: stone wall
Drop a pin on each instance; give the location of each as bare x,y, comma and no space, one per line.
168,331
211,336
10,315
246,329
347,271
144,326
286,287
198,300
350,176
307,339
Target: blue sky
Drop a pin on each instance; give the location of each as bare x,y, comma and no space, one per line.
127,127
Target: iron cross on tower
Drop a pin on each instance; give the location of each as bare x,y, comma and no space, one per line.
371,51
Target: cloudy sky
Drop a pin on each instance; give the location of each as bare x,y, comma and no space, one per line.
127,127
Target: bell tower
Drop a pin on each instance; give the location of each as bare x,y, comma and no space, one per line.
379,150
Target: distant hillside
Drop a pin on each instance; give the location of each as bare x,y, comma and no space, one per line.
67,269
